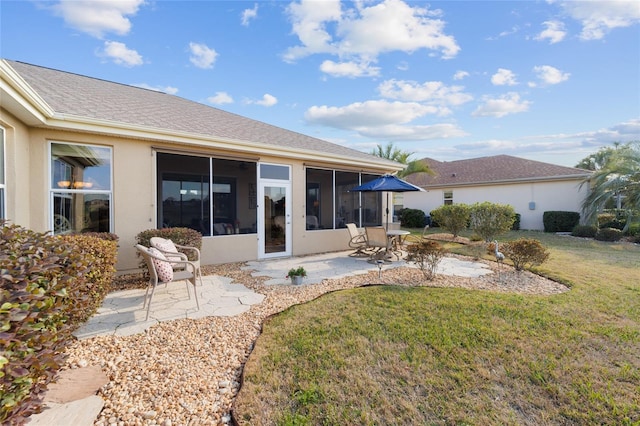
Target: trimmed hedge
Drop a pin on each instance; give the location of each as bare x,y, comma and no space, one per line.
609,234
47,285
413,218
585,231
560,221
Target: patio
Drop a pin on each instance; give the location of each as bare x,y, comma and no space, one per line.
121,313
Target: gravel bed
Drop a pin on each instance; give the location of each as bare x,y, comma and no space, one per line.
187,372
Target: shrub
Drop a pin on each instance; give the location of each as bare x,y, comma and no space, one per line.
34,328
560,221
413,218
489,220
426,254
48,285
452,217
585,231
516,223
634,230
608,234
98,252
525,252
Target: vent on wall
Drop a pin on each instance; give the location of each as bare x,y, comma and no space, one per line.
532,205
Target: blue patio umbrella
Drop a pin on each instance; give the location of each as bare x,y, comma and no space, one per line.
387,183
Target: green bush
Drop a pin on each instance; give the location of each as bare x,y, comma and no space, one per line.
452,217
560,221
99,252
489,220
516,223
608,234
634,230
585,231
525,252
43,294
426,254
412,218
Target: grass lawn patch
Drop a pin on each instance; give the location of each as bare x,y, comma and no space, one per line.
424,355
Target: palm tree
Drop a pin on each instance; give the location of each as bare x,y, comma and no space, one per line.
392,153
617,180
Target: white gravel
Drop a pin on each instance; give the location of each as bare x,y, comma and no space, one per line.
186,372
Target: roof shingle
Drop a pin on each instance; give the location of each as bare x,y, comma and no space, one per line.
488,170
77,95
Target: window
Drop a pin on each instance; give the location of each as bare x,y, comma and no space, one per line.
213,196
3,213
448,197
80,188
329,198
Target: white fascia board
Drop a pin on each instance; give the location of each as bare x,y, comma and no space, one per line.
21,98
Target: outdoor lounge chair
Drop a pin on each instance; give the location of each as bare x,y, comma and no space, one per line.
378,243
357,241
171,252
161,271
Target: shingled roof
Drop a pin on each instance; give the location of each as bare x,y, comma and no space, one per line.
73,96
492,170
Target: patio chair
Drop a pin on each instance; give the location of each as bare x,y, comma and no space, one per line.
378,242
357,241
170,250
161,271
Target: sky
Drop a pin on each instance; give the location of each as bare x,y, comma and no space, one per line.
552,81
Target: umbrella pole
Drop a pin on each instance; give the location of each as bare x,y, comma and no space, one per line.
387,211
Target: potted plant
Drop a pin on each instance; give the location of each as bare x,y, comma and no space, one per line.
296,275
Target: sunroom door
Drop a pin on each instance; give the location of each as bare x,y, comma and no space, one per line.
274,212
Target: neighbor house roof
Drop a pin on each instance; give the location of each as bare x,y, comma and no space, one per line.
58,99
497,169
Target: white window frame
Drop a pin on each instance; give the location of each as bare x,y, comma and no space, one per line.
53,190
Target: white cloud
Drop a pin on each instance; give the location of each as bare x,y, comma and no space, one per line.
554,32
349,69
459,75
499,107
367,30
121,54
167,89
220,98
431,92
98,17
600,17
267,100
413,133
249,14
367,114
201,55
549,75
504,77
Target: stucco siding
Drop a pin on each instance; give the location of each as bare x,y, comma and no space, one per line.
545,196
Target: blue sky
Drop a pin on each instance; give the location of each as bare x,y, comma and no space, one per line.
546,80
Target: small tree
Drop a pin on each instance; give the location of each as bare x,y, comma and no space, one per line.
525,251
452,217
426,254
489,220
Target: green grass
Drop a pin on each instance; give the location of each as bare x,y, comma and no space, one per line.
422,355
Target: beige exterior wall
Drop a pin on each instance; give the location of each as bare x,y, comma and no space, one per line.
546,195
134,206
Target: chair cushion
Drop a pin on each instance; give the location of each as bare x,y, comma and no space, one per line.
163,268
167,246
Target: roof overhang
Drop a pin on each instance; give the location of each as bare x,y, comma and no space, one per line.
18,98
576,177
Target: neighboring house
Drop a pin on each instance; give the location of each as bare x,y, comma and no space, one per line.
530,187
83,154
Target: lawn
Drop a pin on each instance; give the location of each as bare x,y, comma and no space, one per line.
423,355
